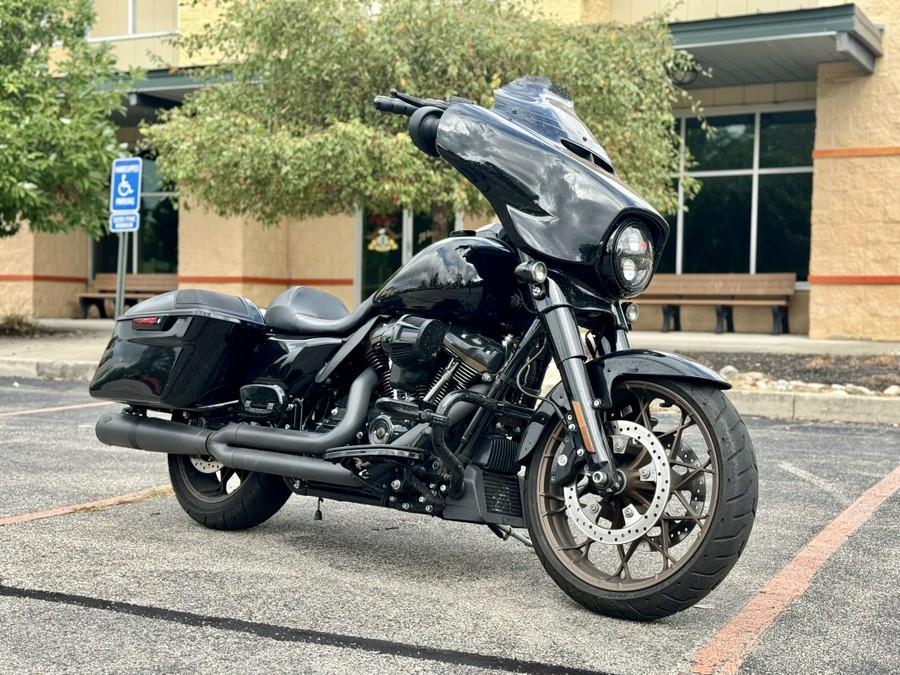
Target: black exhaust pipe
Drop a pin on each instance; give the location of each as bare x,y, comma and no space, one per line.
306,442
241,446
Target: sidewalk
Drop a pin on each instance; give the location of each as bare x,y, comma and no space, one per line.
73,353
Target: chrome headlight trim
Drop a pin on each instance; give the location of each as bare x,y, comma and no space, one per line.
631,250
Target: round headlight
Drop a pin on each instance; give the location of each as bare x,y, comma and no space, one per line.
632,253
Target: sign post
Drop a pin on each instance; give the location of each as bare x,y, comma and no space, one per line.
124,207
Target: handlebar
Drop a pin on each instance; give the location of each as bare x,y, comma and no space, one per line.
394,106
424,113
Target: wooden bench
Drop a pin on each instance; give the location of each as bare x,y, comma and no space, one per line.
137,287
724,291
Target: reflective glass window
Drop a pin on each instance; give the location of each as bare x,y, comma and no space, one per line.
728,145
717,226
786,138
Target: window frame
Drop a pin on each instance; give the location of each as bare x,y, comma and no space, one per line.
132,32
754,171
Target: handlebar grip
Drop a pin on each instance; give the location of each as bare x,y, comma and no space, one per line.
394,106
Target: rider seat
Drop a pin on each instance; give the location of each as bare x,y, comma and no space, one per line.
305,311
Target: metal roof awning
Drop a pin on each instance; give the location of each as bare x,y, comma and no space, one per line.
778,46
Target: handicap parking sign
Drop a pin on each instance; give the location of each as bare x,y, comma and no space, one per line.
125,185
124,222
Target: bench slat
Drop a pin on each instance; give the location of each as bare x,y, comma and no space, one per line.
724,291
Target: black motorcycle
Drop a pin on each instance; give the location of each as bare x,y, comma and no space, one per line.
634,475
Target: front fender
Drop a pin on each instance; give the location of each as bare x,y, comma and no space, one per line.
641,364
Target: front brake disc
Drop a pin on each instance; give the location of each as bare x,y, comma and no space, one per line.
635,522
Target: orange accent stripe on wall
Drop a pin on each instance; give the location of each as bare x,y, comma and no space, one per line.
849,280
264,280
42,277
836,153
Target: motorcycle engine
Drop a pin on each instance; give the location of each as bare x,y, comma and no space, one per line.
424,360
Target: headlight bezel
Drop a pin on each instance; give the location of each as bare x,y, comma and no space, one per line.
630,257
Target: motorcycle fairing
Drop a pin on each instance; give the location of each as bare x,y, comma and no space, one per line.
552,203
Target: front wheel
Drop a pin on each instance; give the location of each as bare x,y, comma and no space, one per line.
681,518
222,498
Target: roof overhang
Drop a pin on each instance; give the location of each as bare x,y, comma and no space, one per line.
778,46
158,90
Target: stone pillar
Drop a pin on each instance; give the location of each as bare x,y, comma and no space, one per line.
854,261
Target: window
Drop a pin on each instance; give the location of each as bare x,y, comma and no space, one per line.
387,241
122,19
155,248
753,211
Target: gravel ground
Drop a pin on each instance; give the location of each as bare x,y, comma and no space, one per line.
876,373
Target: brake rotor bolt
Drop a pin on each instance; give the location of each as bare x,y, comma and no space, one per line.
629,512
594,508
645,473
619,445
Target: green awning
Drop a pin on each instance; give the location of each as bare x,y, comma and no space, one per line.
778,46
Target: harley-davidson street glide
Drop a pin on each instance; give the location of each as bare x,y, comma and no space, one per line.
635,476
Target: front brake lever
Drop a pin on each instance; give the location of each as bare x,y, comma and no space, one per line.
419,102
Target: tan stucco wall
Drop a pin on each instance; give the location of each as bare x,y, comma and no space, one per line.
243,257
754,94
156,17
855,222
630,11
27,257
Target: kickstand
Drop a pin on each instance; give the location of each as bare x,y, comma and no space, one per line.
318,515
505,532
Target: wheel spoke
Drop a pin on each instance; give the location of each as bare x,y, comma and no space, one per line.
687,507
547,495
688,477
225,474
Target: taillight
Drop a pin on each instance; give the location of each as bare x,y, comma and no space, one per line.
147,323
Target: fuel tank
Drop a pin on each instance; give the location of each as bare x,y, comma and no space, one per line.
467,278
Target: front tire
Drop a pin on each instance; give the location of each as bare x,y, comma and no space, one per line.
662,543
222,498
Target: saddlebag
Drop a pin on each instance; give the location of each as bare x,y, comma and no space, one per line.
179,350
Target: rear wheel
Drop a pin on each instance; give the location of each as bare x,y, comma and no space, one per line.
222,498
679,523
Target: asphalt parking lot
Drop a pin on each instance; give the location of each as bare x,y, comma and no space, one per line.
137,586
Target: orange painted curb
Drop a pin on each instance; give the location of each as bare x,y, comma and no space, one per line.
159,491
728,648
35,411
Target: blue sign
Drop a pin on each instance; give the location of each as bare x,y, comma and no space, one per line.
125,186
124,222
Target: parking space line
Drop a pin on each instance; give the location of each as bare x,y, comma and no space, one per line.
728,648
158,491
58,408
289,634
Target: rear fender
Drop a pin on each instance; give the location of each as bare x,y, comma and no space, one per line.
638,364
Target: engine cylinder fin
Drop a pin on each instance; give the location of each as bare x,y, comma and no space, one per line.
379,361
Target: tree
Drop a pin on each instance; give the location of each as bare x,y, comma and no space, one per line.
289,130
56,138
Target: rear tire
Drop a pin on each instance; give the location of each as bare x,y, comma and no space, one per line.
225,499
696,524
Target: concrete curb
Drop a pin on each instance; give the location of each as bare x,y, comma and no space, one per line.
808,407
52,370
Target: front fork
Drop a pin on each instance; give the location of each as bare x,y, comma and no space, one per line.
568,351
